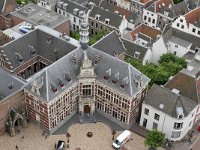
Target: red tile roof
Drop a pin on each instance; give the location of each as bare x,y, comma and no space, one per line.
193,15
149,31
163,3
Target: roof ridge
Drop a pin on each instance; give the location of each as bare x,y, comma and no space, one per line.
129,73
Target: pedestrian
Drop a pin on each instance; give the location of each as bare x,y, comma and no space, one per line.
16,147
22,137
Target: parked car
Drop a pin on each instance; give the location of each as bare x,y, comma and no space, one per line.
60,145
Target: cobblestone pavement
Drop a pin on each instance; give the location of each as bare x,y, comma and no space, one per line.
101,140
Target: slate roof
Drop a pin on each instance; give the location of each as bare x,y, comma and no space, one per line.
115,20
7,79
185,84
131,48
51,73
1,5
110,44
39,16
179,41
159,95
96,2
38,39
72,5
193,4
182,35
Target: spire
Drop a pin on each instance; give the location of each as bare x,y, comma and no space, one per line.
84,34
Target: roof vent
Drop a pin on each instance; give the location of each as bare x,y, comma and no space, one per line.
10,86
116,78
175,91
116,12
161,106
108,74
97,58
19,57
65,6
75,11
124,82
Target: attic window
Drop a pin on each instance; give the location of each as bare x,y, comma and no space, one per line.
53,88
116,78
107,21
10,86
19,57
65,6
124,82
136,54
32,50
97,17
67,77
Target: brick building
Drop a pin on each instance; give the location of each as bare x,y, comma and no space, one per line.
86,81
11,96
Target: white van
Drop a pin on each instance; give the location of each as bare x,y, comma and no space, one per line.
121,139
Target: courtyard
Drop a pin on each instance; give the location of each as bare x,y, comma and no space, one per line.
32,138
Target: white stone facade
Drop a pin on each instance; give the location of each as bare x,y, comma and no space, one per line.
149,18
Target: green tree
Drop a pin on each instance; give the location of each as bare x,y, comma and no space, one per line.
177,1
154,139
75,35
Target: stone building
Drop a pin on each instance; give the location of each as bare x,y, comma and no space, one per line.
86,81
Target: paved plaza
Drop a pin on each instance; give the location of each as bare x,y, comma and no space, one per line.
101,140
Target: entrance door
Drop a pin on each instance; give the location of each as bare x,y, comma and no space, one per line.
86,109
145,122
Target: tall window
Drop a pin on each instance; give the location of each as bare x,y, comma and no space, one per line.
146,111
178,125
86,90
156,116
155,126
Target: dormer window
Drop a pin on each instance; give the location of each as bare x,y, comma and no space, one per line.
97,17
124,82
32,50
136,54
108,74
107,21
19,57
53,88
60,82
65,6
75,11
116,78
67,77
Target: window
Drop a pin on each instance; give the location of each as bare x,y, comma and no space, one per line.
151,14
145,17
92,23
153,21
178,125
181,20
176,134
86,90
155,126
176,46
156,116
146,111
175,52
149,19
59,11
75,19
178,24
199,32
144,122
194,30
182,26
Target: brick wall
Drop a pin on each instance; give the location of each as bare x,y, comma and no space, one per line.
15,101
64,27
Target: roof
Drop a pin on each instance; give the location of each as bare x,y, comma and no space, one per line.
65,65
185,84
176,10
179,41
96,2
193,4
39,16
159,4
110,44
146,30
7,6
115,20
7,81
193,16
38,39
71,6
182,35
132,48
120,11
159,97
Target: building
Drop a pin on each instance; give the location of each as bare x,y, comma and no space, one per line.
100,19
169,112
73,11
48,4
11,96
41,16
137,6
150,14
85,81
192,4
189,23
39,48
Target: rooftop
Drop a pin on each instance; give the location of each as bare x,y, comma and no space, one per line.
193,16
39,16
9,83
169,102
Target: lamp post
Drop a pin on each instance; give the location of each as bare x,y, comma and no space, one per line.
68,136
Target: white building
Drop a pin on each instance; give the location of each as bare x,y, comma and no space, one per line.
73,11
48,4
167,111
189,23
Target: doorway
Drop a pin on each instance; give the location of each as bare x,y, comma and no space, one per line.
86,109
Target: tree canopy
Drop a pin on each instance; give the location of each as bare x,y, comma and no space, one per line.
169,65
154,139
177,1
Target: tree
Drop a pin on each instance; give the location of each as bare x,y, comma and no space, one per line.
154,139
75,35
177,1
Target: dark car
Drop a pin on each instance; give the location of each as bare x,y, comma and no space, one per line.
60,145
